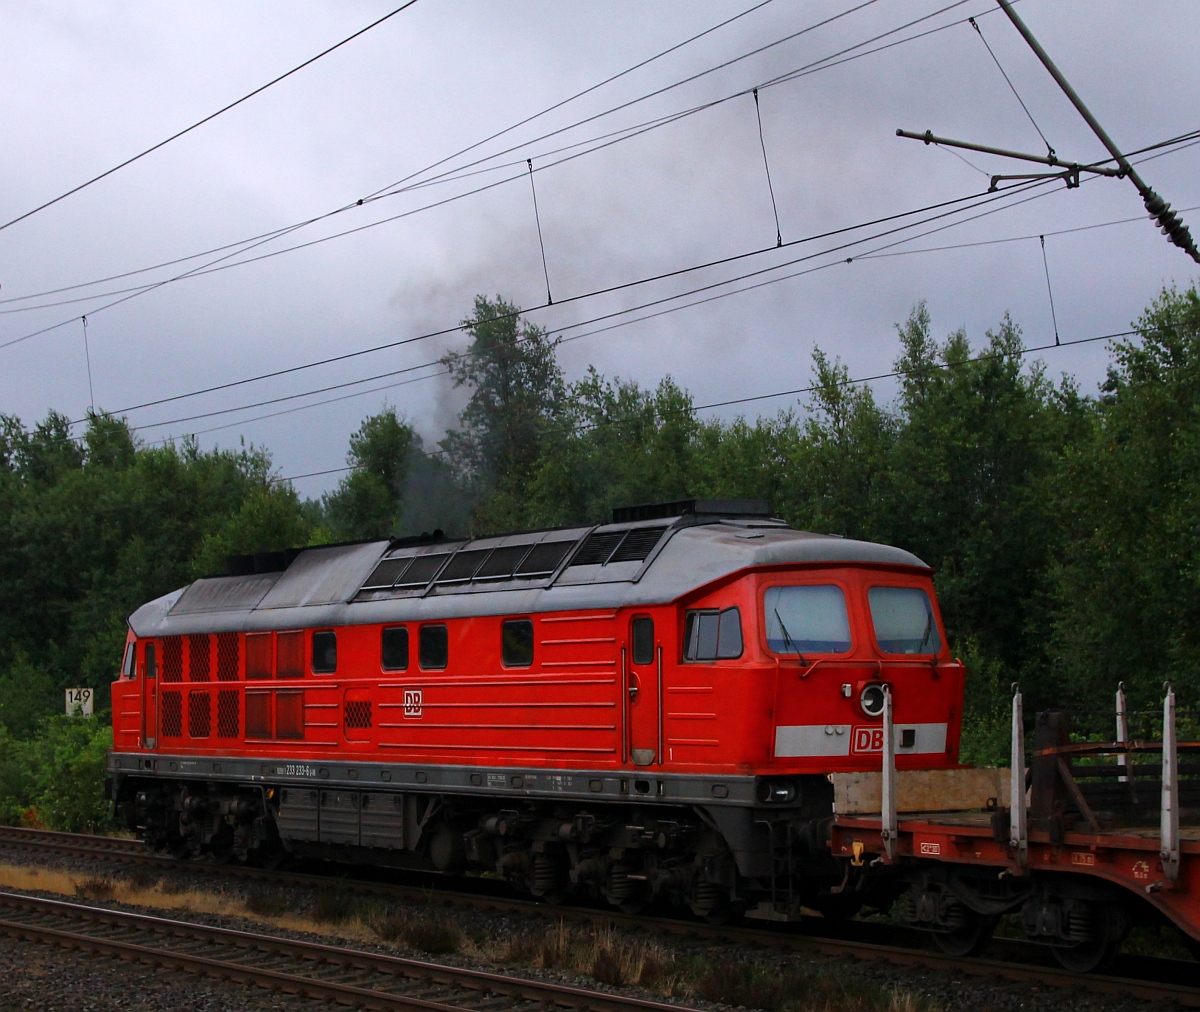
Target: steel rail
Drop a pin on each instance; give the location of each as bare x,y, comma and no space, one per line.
805,937
309,967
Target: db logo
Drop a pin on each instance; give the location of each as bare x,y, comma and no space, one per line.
867,739
412,702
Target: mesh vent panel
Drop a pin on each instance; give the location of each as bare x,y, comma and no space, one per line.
171,715
172,659
358,713
227,713
199,715
227,657
198,657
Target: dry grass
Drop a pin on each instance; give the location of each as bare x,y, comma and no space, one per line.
615,958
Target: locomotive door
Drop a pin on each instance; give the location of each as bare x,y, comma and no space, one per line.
644,692
149,697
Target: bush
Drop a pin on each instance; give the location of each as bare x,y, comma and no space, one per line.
57,778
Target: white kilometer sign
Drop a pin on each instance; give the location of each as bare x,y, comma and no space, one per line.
79,702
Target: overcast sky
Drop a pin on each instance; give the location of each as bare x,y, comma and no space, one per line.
87,84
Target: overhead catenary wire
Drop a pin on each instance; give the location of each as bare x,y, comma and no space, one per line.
541,242
813,67
1012,87
767,166
559,330
87,354
461,151
1049,289
869,255
441,332
667,299
209,118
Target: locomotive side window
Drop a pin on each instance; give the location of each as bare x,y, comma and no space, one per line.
712,635
643,641
516,643
803,620
394,648
433,647
151,661
324,652
127,665
903,619
258,655
289,655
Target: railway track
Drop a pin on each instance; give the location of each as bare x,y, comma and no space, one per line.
347,976
1148,978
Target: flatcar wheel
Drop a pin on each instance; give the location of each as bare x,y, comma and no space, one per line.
1108,924
967,938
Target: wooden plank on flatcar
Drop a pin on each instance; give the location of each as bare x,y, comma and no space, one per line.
922,790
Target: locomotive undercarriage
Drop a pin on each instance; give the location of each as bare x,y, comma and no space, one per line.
717,862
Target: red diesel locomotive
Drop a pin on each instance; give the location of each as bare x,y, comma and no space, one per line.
646,708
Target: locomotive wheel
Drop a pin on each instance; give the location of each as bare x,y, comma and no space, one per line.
1109,926
969,937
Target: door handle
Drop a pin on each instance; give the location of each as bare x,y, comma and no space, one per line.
633,688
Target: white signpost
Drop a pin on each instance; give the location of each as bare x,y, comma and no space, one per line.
79,702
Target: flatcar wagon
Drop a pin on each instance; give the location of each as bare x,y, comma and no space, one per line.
644,708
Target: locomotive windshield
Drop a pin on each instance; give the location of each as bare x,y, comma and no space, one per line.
804,620
904,622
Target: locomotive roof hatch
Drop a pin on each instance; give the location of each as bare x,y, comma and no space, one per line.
649,554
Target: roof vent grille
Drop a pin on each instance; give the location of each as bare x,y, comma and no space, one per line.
638,544
597,548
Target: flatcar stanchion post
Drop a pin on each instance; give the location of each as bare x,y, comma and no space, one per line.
1169,826
890,828
1018,824
1122,731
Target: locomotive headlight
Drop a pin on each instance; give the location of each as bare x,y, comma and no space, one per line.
871,699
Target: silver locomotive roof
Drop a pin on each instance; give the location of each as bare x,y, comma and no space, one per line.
606,566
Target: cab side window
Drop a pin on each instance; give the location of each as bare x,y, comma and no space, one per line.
127,664
150,662
711,635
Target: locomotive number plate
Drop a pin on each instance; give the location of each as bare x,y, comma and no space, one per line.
412,704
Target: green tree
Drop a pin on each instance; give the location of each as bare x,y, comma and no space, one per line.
1126,585
368,501
516,391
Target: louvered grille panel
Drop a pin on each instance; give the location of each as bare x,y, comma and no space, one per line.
227,657
199,715
638,544
172,659
227,713
171,715
198,657
597,548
